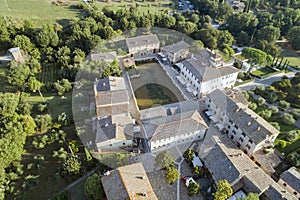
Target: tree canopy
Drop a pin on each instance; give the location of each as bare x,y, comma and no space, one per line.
224,190
93,187
164,159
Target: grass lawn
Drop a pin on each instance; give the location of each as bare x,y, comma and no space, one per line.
40,11
77,191
291,147
57,105
143,6
292,55
262,71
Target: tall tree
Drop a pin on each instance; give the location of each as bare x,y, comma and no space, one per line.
224,190
164,159
294,37
93,188
172,174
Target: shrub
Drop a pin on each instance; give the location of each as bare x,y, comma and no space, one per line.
288,119
276,125
261,101
252,106
193,188
274,109
42,107
246,95
291,135
266,113
272,97
280,143
284,104
188,155
296,113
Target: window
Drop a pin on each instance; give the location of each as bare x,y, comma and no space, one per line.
110,144
250,141
229,126
234,132
243,134
295,193
284,184
235,126
241,139
123,143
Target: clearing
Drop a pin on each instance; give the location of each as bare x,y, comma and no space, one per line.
290,54
143,6
40,11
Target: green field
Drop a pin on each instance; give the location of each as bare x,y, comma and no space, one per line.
290,54
40,11
262,71
143,6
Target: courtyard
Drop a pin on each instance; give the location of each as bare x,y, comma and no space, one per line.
154,87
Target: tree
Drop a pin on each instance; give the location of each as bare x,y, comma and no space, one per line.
62,86
266,113
35,85
251,196
172,174
274,109
72,165
261,101
296,113
224,190
284,104
272,97
23,42
257,56
294,158
238,22
196,46
63,56
252,106
43,122
164,159
288,119
243,39
294,37
269,33
18,75
208,36
188,155
276,125
292,135
225,39
193,188
198,170
93,188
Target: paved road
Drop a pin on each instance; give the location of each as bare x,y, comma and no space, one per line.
264,82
